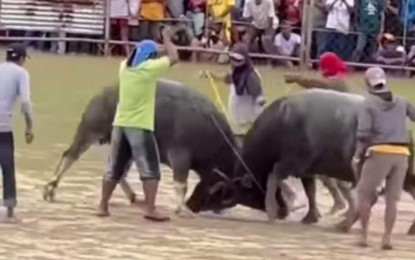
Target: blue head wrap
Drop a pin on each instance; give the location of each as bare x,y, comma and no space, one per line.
143,50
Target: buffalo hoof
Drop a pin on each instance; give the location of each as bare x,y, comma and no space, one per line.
411,231
184,212
133,199
282,213
49,194
311,218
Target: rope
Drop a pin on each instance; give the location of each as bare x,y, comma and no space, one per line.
233,148
214,87
238,156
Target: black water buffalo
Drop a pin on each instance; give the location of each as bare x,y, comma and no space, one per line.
191,134
300,135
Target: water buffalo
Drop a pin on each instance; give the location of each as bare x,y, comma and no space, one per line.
191,134
300,135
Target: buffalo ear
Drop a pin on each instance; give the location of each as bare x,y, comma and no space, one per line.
247,182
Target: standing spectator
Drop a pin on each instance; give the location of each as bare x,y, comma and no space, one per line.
262,16
151,13
119,18
400,14
338,22
319,35
14,84
407,16
370,19
220,11
392,21
287,44
196,10
175,8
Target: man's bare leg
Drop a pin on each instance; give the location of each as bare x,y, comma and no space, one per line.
364,207
108,187
150,188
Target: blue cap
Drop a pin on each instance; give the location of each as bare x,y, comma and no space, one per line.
143,50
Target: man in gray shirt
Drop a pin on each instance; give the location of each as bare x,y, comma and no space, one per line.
382,132
14,84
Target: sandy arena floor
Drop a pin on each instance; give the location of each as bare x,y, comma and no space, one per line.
68,229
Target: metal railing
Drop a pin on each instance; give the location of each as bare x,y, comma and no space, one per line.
102,34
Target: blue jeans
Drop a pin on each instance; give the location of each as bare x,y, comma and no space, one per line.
7,167
320,41
198,22
366,47
339,43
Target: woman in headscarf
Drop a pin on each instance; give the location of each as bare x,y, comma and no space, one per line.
333,72
246,100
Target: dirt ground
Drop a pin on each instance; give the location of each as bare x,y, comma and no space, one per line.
68,229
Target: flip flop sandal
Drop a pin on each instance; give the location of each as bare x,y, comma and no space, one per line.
157,219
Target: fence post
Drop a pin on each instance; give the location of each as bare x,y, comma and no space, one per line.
107,27
310,30
304,48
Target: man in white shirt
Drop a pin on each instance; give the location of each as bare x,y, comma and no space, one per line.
261,15
287,44
338,22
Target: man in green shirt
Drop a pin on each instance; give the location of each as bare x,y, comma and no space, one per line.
132,137
370,19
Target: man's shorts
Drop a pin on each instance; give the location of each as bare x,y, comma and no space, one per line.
379,167
137,145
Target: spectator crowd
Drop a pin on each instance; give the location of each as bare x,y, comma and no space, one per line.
368,31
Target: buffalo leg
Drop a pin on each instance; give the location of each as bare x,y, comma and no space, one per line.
334,190
179,160
345,189
271,205
64,164
275,205
313,214
78,147
283,208
126,188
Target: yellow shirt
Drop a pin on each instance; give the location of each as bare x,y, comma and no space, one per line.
137,93
218,7
153,11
